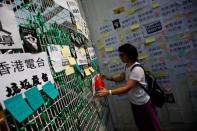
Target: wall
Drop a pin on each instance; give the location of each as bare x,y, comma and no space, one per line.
169,52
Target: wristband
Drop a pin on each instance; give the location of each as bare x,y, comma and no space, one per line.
110,92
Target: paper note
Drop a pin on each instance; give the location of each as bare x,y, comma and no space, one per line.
105,35
135,26
155,5
72,60
149,40
34,98
69,70
50,90
79,27
66,52
130,11
118,10
133,1
160,74
91,69
109,49
18,107
112,60
87,72
142,55
99,45
82,50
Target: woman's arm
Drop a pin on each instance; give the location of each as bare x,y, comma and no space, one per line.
120,90
119,78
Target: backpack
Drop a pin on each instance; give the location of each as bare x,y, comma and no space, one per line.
153,90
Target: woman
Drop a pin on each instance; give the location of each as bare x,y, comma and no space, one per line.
144,113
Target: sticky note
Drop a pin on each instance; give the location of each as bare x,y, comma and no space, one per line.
109,49
91,69
50,90
112,60
66,51
130,11
160,74
34,98
69,70
79,27
142,55
105,35
18,107
82,50
71,60
155,5
118,10
149,40
87,72
99,45
135,26
133,1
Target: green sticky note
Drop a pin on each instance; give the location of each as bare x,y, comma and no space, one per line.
18,107
50,90
34,98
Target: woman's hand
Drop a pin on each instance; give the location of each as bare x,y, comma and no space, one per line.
102,92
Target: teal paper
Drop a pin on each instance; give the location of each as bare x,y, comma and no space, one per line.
50,90
18,107
34,98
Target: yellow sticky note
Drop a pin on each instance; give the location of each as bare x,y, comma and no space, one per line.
91,69
109,49
99,45
105,35
82,50
87,72
155,5
135,26
79,27
160,74
133,1
142,55
149,40
130,11
69,70
72,60
118,10
66,51
112,61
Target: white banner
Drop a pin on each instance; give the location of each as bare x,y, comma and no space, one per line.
20,72
9,34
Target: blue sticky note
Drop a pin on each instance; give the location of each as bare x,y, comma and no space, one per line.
18,107
34,98
50,90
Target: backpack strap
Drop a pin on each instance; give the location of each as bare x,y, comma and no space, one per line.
142,86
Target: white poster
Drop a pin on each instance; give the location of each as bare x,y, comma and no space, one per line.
91,53
81,57
9,34
57,60
20,72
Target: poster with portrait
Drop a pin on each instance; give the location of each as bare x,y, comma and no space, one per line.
31,42
9,34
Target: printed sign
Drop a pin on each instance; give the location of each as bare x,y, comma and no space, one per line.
9,34
30,40
20,72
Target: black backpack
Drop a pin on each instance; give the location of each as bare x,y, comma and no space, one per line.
154,91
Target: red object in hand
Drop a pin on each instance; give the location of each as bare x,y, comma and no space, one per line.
99,84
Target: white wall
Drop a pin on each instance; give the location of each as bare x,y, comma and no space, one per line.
181,115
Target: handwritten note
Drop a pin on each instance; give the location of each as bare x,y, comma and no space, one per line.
71,60
66,51
135,26
149,40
